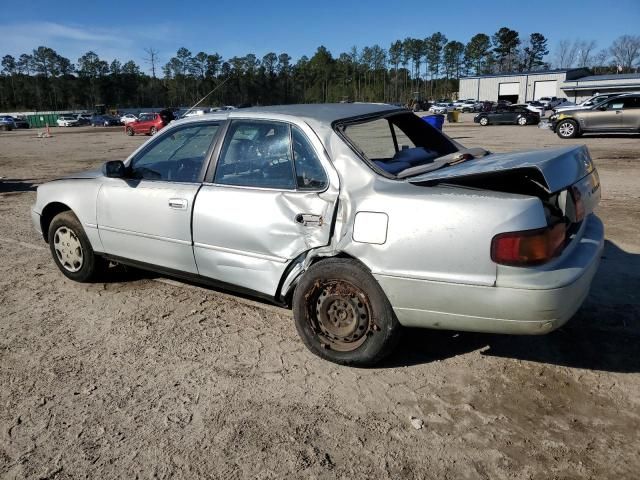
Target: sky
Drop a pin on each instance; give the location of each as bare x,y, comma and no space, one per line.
119,29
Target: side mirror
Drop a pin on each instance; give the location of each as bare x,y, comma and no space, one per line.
114,169
602,108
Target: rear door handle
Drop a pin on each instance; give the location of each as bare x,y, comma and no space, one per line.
178,203
308,219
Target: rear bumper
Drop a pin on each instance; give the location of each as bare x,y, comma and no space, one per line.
529,301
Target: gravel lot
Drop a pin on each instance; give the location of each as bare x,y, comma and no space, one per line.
145,377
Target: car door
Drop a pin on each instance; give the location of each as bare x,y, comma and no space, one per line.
271,198
500,115
631,114
146,216
607,116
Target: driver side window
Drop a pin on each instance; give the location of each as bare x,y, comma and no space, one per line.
177,156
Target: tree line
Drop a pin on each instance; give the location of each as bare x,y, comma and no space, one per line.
428,67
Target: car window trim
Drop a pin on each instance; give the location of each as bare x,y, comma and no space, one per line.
166,131
215,158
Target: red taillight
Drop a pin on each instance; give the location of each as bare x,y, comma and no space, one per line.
529,247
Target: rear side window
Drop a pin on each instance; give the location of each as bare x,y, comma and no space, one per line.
257,154
631,102
309,172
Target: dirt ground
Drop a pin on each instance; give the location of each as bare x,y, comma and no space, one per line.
146,377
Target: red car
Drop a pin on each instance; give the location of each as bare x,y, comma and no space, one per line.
150,123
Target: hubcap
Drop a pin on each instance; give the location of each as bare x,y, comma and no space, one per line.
566,129
483,121
340,315
68,249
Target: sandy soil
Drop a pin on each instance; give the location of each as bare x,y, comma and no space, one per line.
144,377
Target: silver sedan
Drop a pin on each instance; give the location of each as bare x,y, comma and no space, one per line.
363,218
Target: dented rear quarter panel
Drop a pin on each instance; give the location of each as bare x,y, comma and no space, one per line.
440,233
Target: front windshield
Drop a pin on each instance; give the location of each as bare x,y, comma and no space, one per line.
397,142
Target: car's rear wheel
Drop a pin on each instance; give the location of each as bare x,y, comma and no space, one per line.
342,314
567,129
522,121
153,131
130,131
71,249
484,121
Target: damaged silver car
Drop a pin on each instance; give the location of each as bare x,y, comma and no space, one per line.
361,217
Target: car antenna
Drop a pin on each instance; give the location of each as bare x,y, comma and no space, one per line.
203,98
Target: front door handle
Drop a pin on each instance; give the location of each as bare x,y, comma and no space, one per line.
178,203
308,219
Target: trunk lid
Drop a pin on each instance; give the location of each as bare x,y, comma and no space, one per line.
553,169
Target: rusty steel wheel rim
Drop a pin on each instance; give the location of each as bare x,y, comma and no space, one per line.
340,315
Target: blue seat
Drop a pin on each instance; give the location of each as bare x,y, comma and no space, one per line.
392,167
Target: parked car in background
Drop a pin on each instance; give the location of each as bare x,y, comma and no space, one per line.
483,106
104,121
619,114
195,112
314,206
466,106
20,122
442,108
7,123
150,123
511,115
551,102
84,118
535,106
128,118
589,102
224,108
67,121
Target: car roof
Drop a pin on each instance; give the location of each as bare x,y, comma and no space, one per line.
322,114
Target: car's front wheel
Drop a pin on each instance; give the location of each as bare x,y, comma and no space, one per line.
342,314
567,129
72,250
522,121
484,121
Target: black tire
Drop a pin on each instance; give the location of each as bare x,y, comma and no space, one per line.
567,129
91,265
484,121
342,314
153,131
130,131
522,121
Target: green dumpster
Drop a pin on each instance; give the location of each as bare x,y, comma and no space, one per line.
41,120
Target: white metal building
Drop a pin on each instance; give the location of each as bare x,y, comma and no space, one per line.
585,87
526,86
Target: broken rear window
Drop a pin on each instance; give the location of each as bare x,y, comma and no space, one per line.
396,142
